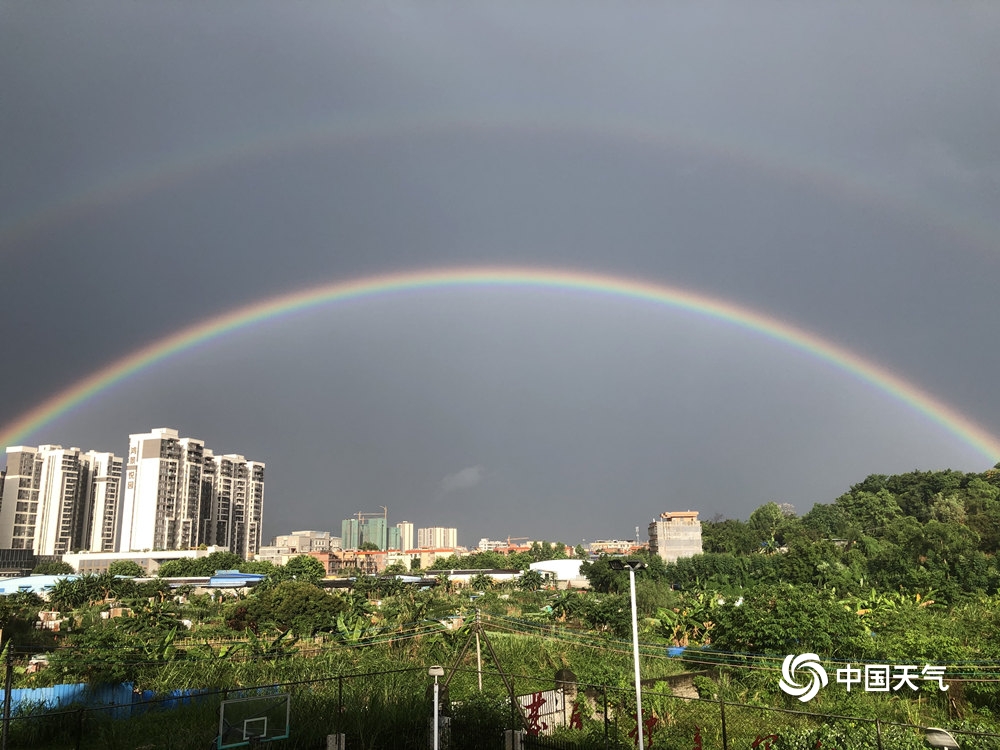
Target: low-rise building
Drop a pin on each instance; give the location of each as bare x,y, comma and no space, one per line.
615,546
676,534
564,573
89,563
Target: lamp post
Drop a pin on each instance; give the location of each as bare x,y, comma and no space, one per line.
435,672
633,565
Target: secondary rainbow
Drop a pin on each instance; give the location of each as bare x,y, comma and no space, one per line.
550,279
796,168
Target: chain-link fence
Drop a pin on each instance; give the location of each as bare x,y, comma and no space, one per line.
393,709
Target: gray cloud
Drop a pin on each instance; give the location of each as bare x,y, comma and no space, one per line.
465,479
833,168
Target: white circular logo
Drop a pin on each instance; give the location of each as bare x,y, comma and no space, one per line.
810,663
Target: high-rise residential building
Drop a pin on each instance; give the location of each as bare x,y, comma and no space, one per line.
102,491
161,507
374,531
437,537
178,495
234,494
371,528
676,534
56,500
350,532
405,536
41,493
248,514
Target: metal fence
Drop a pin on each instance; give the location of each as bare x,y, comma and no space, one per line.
392,709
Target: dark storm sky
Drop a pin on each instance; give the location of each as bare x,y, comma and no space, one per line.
833,165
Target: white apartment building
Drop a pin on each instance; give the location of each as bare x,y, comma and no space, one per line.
56,500
437,537
248,507
405,535
162,496
179,494
103,490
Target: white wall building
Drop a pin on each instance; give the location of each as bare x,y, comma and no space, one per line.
162,495
178,495
98,562
103,490
304,542
676,534
437,537
57,499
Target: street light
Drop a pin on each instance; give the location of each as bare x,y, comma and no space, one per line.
633,565
940,739
435,672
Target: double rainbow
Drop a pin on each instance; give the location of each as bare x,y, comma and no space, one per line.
524,277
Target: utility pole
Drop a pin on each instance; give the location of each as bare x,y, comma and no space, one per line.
634,565
7,683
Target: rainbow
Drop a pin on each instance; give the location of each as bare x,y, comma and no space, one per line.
171,170
522,277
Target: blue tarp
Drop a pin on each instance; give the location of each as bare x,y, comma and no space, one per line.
117,698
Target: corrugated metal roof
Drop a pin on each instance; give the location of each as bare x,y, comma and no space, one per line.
34,584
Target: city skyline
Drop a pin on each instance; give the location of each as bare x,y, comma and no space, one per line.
404,258
167,493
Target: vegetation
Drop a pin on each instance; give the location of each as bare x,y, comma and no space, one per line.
53,568
898,570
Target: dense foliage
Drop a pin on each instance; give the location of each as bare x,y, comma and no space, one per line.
898,570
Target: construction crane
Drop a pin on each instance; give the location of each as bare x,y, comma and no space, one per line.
517,539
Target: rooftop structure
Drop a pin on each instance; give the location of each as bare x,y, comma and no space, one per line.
677,534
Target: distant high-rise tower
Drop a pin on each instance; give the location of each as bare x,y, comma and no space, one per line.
162,497
248,506
178,495
437,537
405,535
102,491
350,533
368,528
56,500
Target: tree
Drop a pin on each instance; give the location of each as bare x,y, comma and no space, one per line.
369,546
128,568
220,561
603,578
53,568
730,535
786,619
305,568
296,605
765,522
481,582
870,511
530,580
612,612
182,568
19,611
